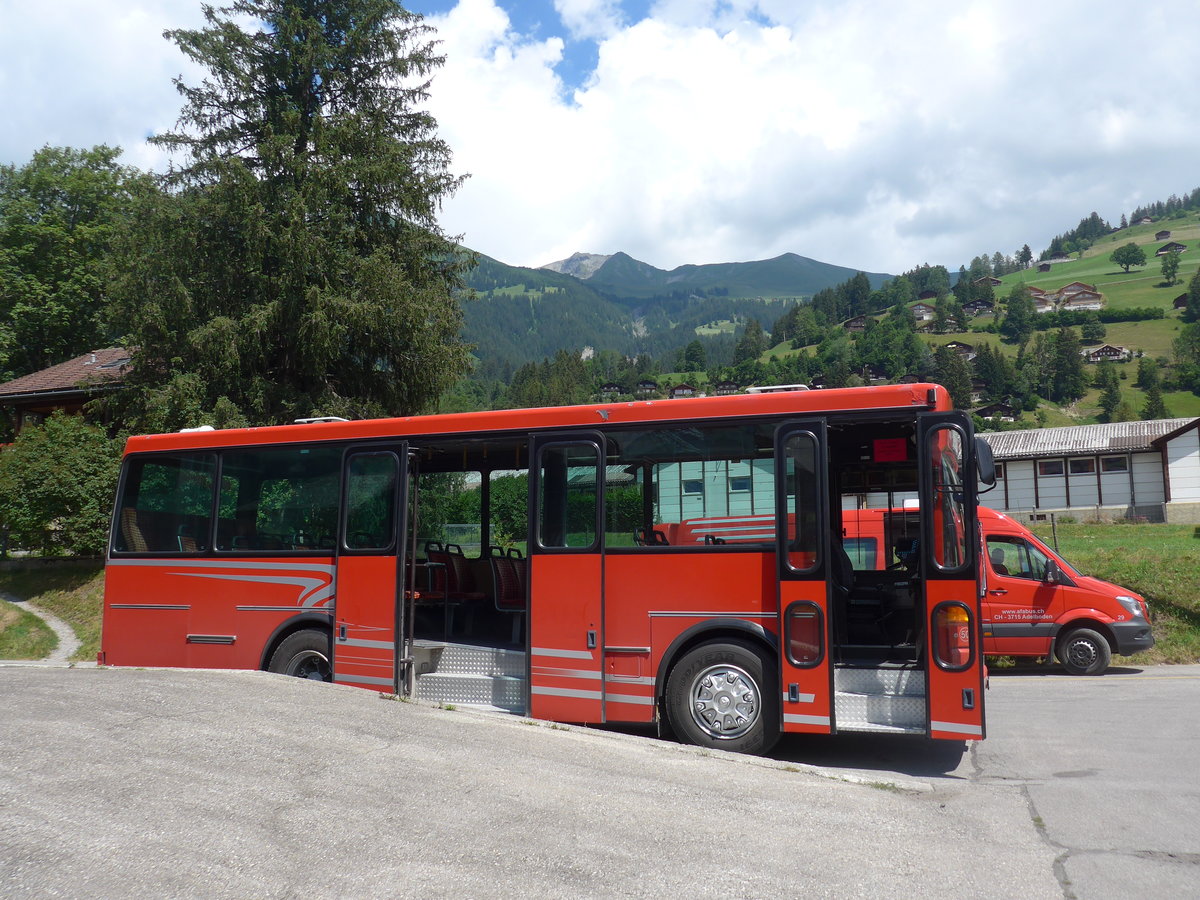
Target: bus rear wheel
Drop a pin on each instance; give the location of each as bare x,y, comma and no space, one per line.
718,696
304,654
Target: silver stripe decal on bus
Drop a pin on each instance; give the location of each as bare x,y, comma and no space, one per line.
315,590
566,673
363,679
565,692
805,720
629,698
363,642
149,606
291,607
802,698
565,654
956,728
224,564
630,679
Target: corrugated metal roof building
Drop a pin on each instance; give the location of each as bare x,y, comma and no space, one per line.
1144,470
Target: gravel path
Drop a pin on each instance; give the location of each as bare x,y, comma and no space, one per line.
67,642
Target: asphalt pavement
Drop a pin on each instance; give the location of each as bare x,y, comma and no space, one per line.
154,783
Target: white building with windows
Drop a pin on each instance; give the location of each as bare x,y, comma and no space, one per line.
1141,470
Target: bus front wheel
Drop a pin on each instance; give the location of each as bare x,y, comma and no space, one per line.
1083,651
718,696
303,654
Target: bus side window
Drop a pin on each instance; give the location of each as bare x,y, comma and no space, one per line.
166,506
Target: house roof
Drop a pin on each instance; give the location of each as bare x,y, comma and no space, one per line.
1081,440
70,377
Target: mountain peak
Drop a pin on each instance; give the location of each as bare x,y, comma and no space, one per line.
580,265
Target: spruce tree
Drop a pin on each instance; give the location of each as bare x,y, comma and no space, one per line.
293,264
1191,312
1110,391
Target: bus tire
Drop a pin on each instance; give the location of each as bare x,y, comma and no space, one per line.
1083,651
303,654
719,696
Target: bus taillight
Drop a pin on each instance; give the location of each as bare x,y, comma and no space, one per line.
952,636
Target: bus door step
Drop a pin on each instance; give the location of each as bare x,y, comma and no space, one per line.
465,675
880,699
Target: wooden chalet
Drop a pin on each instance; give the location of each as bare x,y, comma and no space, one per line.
1106,352
1074,288
857,324
1082,300
923,312
1172,247
1163,235
66,386
681,390
999,412
966,351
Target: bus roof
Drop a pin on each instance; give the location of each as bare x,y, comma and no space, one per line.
799,403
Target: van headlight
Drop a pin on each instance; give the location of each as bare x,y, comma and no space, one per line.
1131,604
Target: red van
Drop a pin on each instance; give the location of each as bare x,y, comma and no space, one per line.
1034,604
1035,601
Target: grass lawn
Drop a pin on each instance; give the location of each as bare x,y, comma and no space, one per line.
22,634
72,593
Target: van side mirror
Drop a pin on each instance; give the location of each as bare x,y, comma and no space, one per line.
1053,574
985,462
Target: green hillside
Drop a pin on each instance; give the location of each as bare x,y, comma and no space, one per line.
1141,288
789,275
522,315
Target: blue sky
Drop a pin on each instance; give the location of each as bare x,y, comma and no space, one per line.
877,134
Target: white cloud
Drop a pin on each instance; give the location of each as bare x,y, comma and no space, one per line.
866,133
590,19
871,134
79,73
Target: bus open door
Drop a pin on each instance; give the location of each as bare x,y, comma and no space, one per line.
952,645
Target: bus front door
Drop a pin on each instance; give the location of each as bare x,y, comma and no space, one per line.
566,578
802,551
371,555
949,548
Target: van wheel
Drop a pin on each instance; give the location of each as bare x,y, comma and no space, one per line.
304,654
1083,651
718,696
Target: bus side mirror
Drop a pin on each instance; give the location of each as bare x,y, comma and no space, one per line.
985,462
1053,574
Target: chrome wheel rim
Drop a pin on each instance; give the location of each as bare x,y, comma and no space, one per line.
724,701
1082,653
309,664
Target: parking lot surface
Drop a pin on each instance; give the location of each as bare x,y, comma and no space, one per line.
149,783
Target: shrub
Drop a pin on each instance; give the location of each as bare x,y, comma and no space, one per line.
57,483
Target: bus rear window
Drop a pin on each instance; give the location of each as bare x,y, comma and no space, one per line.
166,504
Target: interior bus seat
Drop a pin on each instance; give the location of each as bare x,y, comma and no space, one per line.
649,537
450,575
508,571
187,541
131,530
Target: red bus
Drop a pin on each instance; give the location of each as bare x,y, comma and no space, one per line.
565,563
